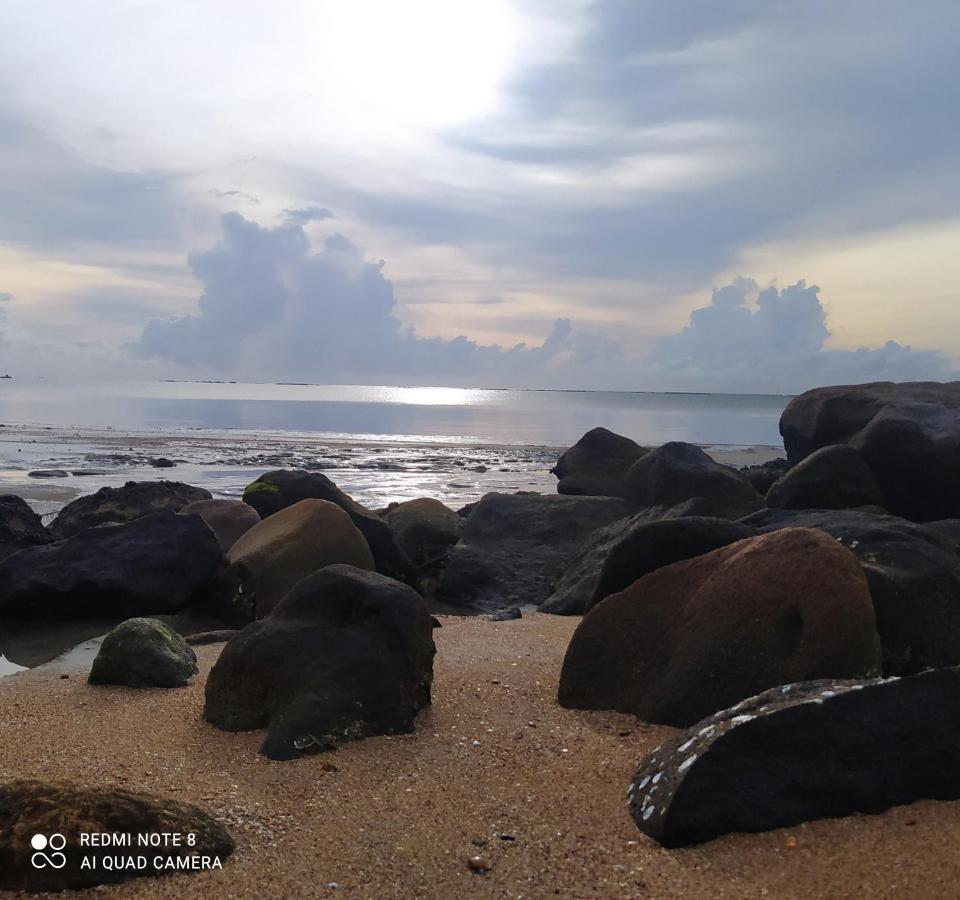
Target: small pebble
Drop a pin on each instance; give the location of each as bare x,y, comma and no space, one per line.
790,842
478,864
478,842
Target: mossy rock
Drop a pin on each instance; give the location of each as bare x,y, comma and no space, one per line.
144,653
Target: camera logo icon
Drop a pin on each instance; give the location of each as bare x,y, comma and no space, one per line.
55,858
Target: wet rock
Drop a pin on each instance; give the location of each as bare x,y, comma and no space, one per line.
229,520
143,653
29,808
48,473
161,462
763,476
270,558
424,529
913,572
908,434
124,504
702,634
282,488
345,655
20,526
676,472
802,752
596,464
155,564
515,547
833,477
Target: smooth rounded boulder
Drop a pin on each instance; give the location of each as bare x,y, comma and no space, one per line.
143,653
908,434
345,655
29,808
596,464
676,472
270,558
424,529
155,564
111,506
20,526
833,477
281,488
700,635
229,520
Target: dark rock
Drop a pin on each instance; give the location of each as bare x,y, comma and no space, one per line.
282,488
908,434
155,564
801,752
424,529
143,653
270,558
220,636
914,580
763,476
346,654
515,547
227,519
596,464
20,526
833,477
702,634
29,808
676,472
48,473
161,462
116,505
507,615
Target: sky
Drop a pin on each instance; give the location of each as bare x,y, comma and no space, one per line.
749,196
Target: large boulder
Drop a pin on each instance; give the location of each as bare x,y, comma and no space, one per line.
156,564
763,475
424,529
617,555
20,526
702,634
270,558
143,653
908,434
675,472
833,477
229,520
346,654
283,487
112,506
913,571
42,823
596,464
801,752
516,546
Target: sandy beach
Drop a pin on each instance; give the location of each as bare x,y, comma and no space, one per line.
396,817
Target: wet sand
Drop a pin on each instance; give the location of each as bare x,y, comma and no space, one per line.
395,817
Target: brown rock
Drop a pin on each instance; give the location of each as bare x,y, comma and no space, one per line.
229,520
702,634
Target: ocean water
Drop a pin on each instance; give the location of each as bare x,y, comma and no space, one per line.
461,416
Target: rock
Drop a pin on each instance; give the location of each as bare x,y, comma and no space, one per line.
908,434
116,505
647,546
161,462
596,464
424,529
282,488
143,653
156,564
833,477
48,473
29,809
20,526
515,547
763,476
702,634
507,615
676,472
289,545
478,864
227,519
346,654
801,752
913,572
220,636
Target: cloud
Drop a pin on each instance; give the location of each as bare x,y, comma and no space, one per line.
307,214
274,307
